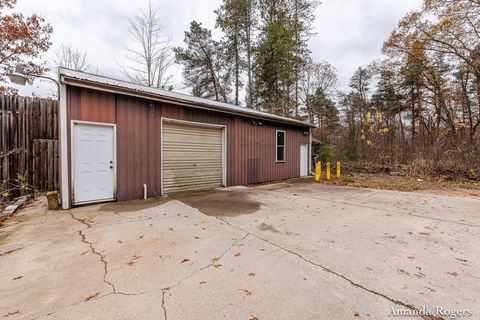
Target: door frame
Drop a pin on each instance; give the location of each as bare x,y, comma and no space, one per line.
196,124
307,163
72,159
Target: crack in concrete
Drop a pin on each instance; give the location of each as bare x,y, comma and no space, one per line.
165,290
353,283
85,301
163,304
102,258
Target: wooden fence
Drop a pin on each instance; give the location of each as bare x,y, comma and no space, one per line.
29,141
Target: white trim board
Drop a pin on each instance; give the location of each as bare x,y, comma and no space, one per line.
64,183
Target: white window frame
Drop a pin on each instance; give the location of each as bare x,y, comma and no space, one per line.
284,146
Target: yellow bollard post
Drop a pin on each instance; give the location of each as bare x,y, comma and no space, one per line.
328,171
318,171
338,170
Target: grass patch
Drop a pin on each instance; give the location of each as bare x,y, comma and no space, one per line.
19,219
4,238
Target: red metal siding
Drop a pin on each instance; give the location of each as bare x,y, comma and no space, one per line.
250,148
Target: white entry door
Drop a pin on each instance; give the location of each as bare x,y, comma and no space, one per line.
93,163
303,160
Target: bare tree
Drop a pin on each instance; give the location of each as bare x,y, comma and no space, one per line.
71,57
318,75
151,55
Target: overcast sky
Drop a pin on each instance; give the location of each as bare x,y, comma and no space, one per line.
349,33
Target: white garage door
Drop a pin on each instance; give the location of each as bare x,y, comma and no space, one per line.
93,163
192,157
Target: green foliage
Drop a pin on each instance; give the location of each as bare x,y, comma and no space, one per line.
324,110
473,174
236,19
326,153
205,66
281,53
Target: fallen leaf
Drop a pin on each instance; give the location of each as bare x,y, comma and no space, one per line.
203,282
251,274
424,233
356,314
452,274
461,260
247,292
141,237
252,317
130,263
238,254
217,265
16,278
86,219
433,290
215,259
120,241
92,296
411,258
184,260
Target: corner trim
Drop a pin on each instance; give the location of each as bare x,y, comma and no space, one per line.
64,184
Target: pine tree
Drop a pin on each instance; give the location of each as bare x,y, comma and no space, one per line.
302,20
236,18
275,58
204,64
282,53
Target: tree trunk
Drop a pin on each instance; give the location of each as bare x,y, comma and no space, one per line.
237,69
249,58
402,129
412,133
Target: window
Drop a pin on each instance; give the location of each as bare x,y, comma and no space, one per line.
280,146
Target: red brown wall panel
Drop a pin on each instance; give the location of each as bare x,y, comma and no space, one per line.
250,147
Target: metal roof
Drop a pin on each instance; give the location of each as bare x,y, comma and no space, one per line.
87,80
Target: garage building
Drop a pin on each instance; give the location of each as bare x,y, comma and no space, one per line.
122,141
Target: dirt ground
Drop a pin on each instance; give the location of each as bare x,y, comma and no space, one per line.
292,250
430,185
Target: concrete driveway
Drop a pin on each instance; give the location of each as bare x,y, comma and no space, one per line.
283,251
